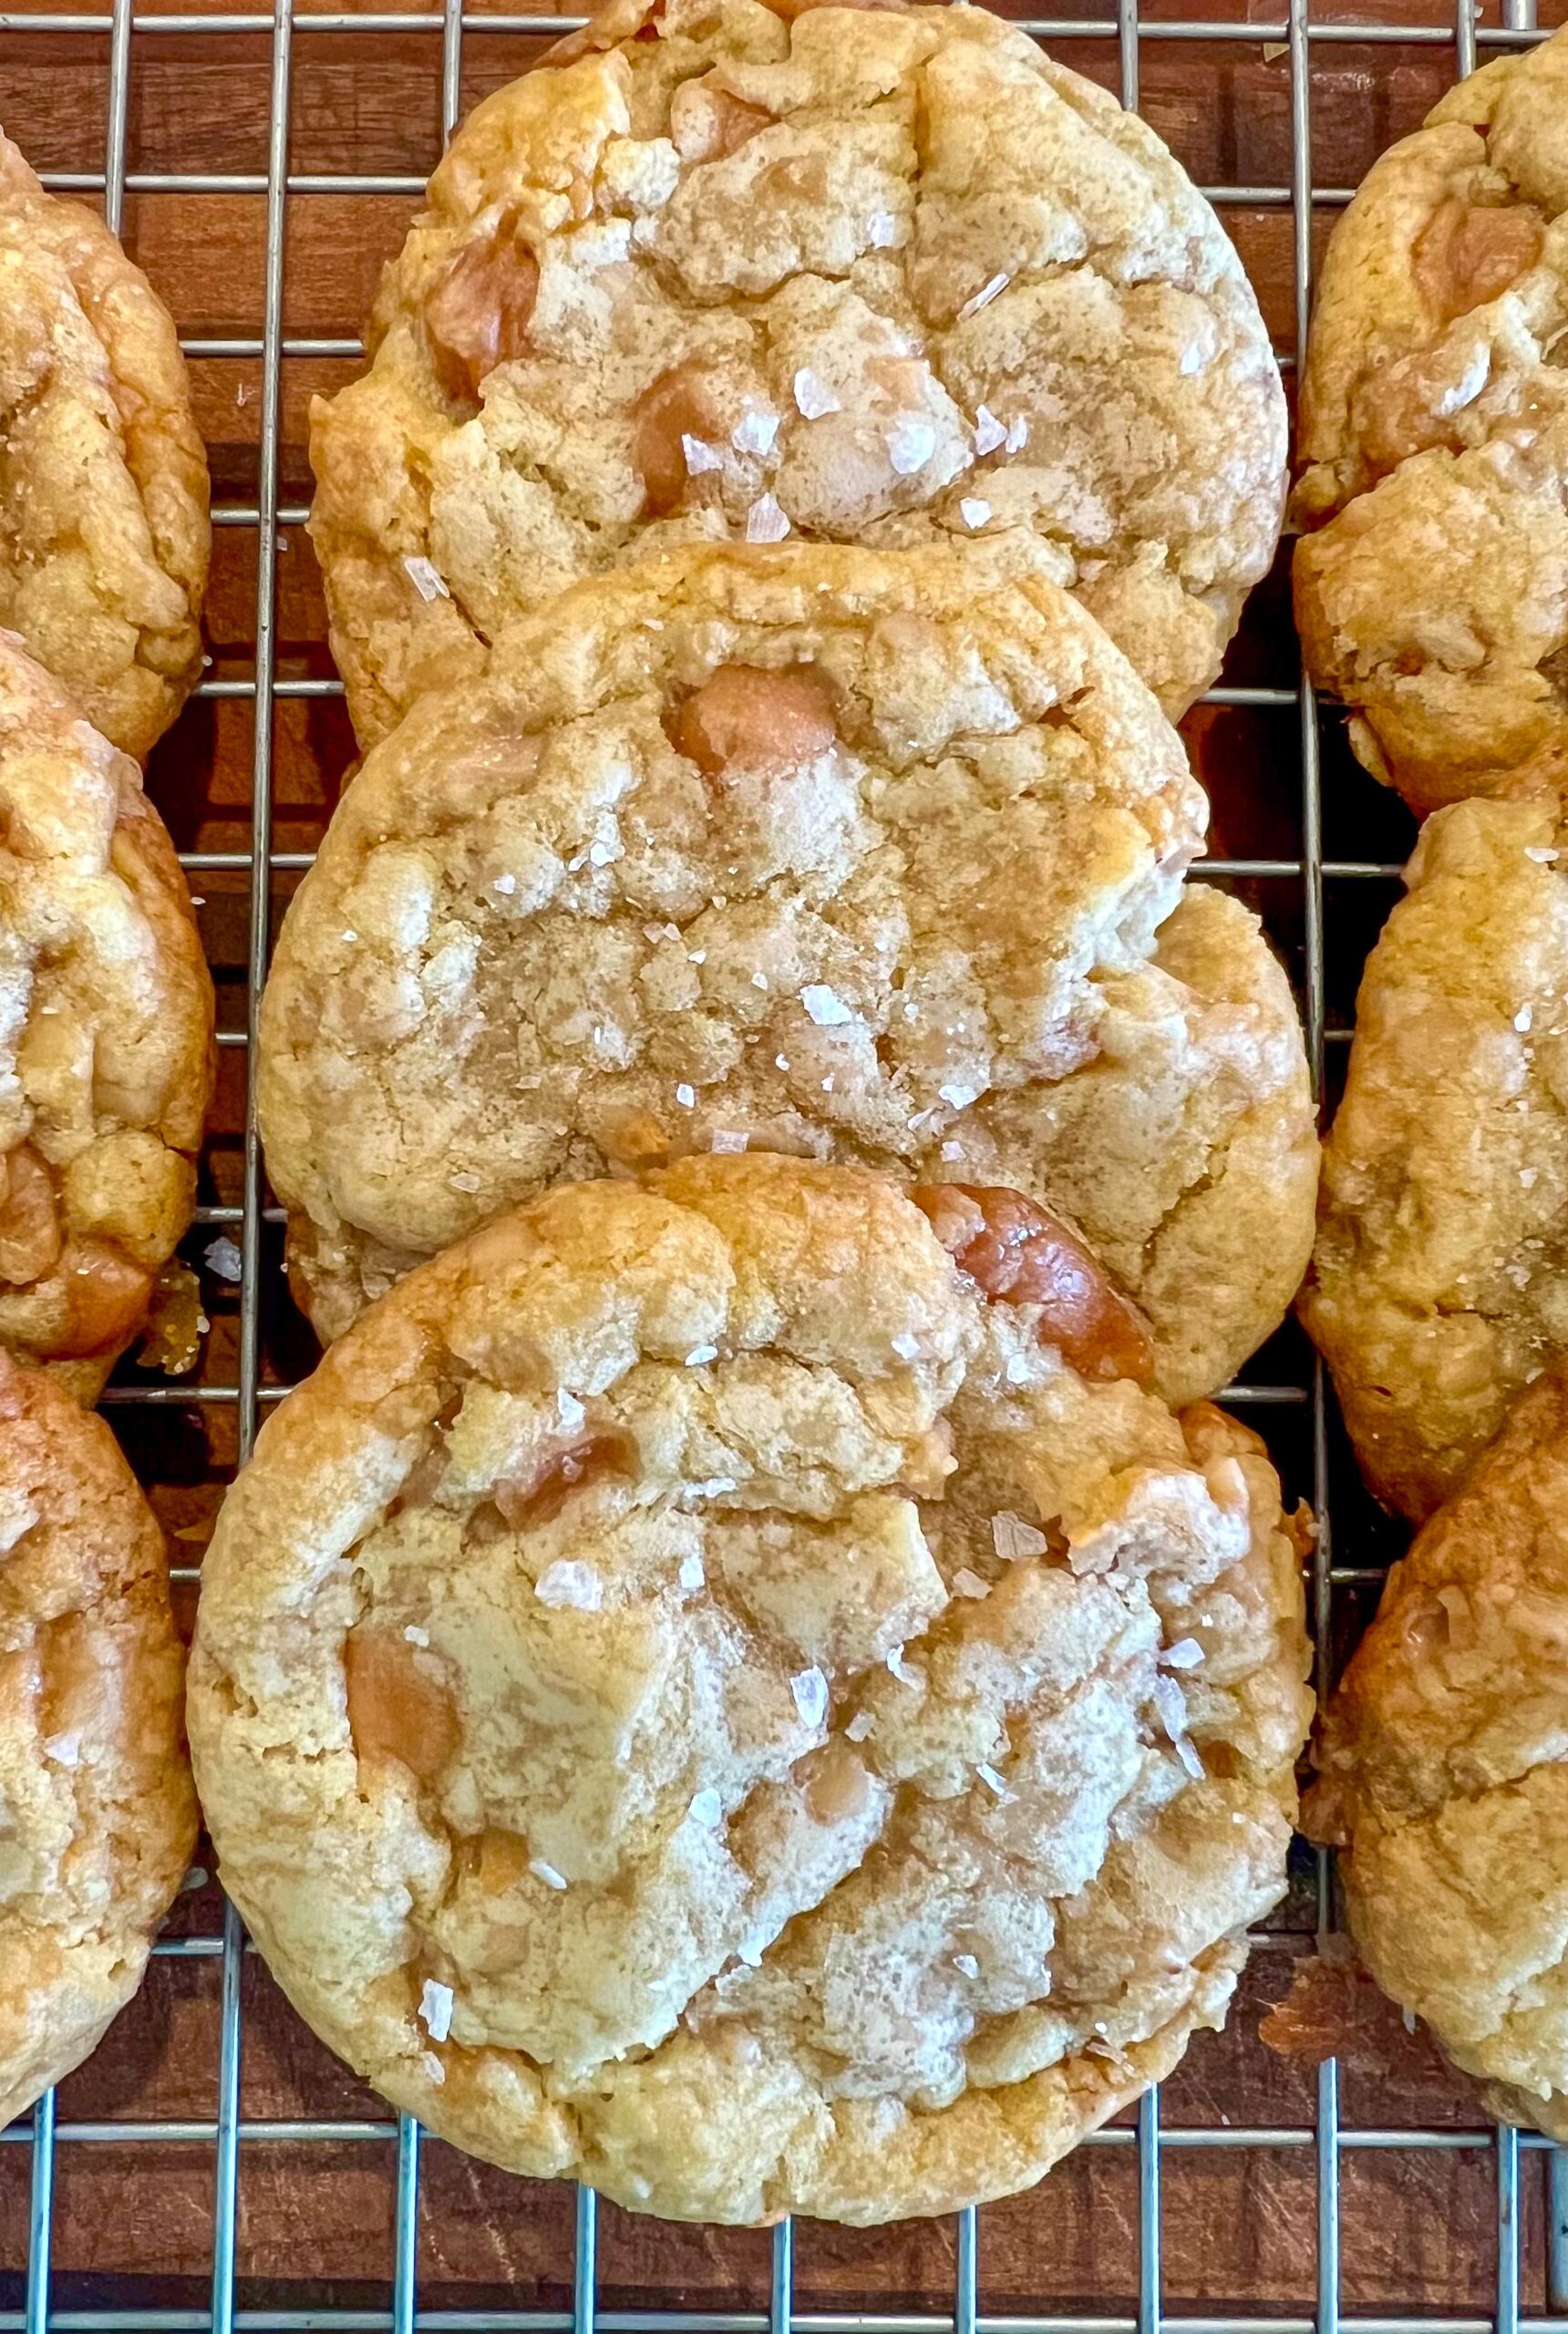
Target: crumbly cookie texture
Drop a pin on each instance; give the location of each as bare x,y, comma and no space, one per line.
99,1812
1442,1776
817,852
106,1037
1435,440
104,535
1440,1281
870,276
698,1694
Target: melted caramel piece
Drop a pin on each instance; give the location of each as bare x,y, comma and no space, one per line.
1465,257
679,404
836,1782
477,317
396,1707
1013,1249
30,1237
747,719
539,1498
706,123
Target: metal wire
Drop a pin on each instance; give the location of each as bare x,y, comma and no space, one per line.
227,2134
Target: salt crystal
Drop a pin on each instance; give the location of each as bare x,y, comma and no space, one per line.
809,1689
825,1006
969,1583
416,1636
728,1142
754,433
426,579
700,1354
1540,852
547,1873
349,938
984,298
1171,1706
1530,1177
600,854
911,443
569,1409
973,511
1017,434
1018,1369
436,2009
989,433
958,1095
697,956
699,455
707,1809
570,1582
65,1749
691,1574
759,980
899,1669
859,1727
464,1181
687,1096
1522,1018
506,884
994,1783
225,1259
953,1151
1185,1654
765,522
967,1965
1012,1537
906,1345
780,1062
883,229
655,933
1408,2016
813,397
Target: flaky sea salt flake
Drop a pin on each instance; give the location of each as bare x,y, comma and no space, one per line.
969,1583
1012,1538
707,1809
224,1259
505,884
973,511
994,1783
881,228
699,455
765,522
911,443
569,1409
906,1345
989,433
701,1354
1017,436
728,1141
416,1636
547,1873
436,2009
859,1727
825,1006
813,397
691,1574
809,1689
570,1582
426,578
984,298
755,431
967,1965
1185,1654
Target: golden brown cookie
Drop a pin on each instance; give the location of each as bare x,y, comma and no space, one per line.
99,1812
820,851
870,276
1434,436
1439,1281
106,1037
698,1693
104,537
1443,1771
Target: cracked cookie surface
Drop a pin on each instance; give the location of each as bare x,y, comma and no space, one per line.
872,275
101,1817
1433,596
1442,1778
105,1037
700,1691
1439,1279
817,852
104,535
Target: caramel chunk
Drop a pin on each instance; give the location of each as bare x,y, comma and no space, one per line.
30,1236
477,315
396,1707
539,1498
749,719
1013,1249
1465,257
680,404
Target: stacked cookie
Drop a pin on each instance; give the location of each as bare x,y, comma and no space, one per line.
106,1063
1429,591
733,1680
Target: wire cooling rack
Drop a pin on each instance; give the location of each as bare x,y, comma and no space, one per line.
1322,903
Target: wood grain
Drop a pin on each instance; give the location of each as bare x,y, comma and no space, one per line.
133,2222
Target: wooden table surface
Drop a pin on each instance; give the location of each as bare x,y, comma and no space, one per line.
133,2222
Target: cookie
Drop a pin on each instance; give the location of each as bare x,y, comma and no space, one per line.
106,1037
696,1694
1439,1281
878,276
100,1814
1442,1774
104,537
823,852
1434,436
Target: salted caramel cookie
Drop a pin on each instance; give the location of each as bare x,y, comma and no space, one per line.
104,537
1440,1281
1442,1774
1434,436
707,1691
822,852
99,1812
106,1037
872,275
